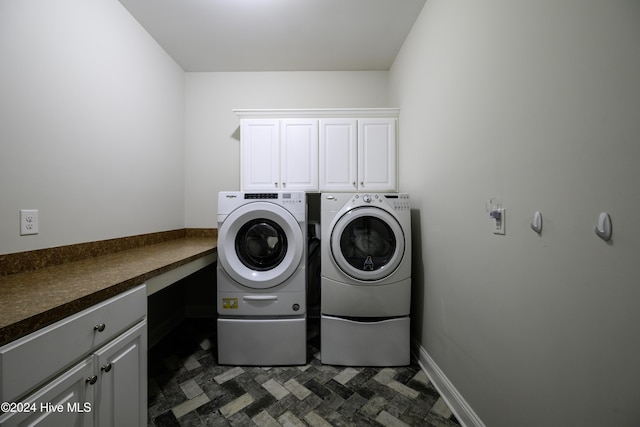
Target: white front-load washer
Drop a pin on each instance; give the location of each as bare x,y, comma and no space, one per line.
261,278
365,278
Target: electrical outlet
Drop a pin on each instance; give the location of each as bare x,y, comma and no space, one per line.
28,221
499,215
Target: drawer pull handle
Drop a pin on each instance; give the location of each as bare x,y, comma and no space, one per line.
106,368
260,298
99,327
92,380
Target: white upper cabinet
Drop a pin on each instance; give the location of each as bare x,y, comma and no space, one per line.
338,155
319,150
260,154
377,155
299,154
358,155
279,154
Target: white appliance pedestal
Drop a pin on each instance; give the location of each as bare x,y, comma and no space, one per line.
349,342
262,342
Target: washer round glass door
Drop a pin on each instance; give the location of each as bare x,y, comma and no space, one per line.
367,243
260,245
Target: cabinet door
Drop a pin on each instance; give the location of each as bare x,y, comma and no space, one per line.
68,400
377,154
121,398
299,154
260,154
338,155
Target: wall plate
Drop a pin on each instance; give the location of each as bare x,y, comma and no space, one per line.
28,221
499,216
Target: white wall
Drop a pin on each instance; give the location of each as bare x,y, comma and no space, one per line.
91,124
212,129
537,104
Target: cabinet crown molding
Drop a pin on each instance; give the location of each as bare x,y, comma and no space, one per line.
352,113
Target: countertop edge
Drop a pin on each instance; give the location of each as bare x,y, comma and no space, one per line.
36,321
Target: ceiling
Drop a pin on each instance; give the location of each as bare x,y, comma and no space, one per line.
278,35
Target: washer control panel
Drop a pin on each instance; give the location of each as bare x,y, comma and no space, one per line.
284,198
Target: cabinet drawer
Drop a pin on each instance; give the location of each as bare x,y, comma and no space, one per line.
35,358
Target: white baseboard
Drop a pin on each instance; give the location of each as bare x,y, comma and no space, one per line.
460,408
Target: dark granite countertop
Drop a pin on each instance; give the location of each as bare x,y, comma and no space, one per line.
33,299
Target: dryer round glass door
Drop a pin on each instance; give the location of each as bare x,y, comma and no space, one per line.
367,243
260,245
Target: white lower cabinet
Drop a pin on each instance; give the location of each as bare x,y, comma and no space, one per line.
49,378
121,392
65,401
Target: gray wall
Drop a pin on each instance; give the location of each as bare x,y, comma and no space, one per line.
91,124
537,105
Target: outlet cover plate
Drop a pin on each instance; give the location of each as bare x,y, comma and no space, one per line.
499,224
28,221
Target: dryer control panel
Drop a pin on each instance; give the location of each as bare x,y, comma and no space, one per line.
400,201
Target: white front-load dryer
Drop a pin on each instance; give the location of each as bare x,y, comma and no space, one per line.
365,278
261,278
